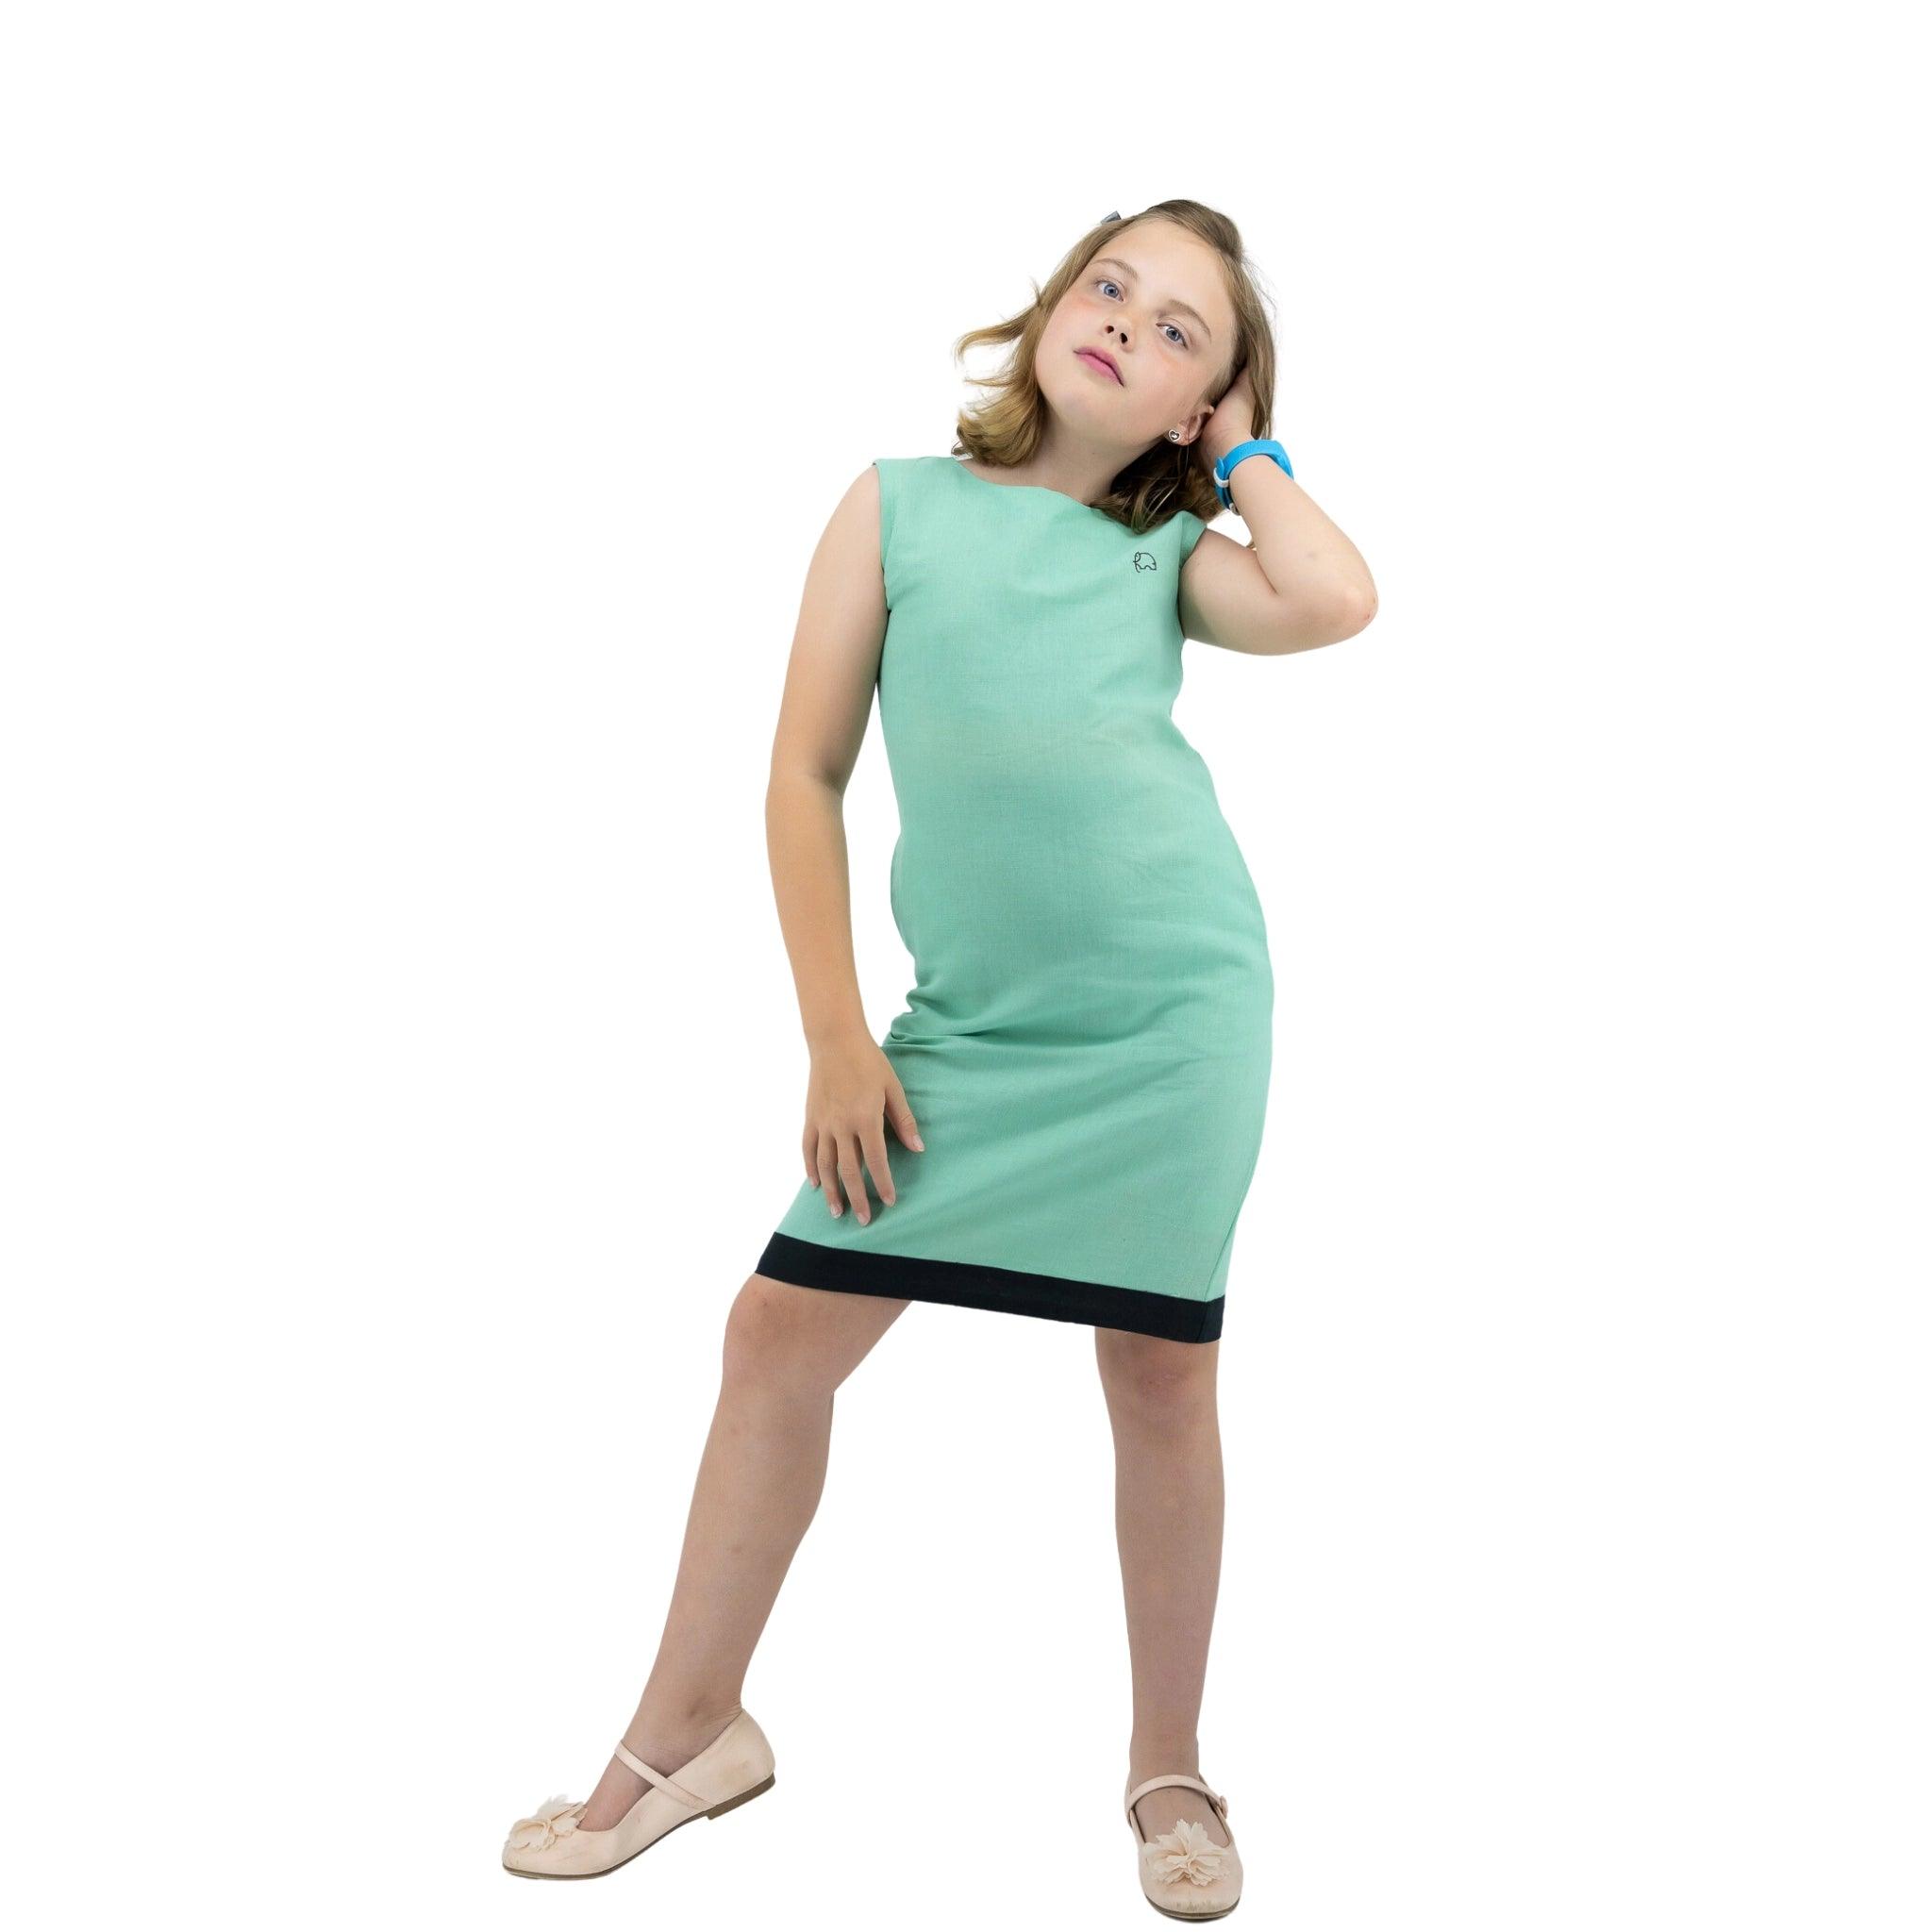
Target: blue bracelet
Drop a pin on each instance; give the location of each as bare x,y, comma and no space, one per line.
1255,446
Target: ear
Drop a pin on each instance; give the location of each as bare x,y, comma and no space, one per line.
1191,428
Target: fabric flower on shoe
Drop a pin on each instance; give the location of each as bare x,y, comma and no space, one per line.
1185,1852
554,1818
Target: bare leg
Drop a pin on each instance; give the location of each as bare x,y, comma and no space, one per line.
786,1351
1168,1510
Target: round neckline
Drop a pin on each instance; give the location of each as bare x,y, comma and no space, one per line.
1020,489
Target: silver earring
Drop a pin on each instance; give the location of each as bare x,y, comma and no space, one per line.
1173,436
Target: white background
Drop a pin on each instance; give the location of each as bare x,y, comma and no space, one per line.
417,421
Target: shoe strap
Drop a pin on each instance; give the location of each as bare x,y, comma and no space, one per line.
669,1787
1177,1777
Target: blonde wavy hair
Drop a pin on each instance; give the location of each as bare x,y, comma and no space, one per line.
1004,428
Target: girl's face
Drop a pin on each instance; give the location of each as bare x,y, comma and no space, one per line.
1152,305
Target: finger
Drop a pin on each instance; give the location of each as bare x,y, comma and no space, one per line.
874,1140
828,1174
810,1151
852,1176
899,1113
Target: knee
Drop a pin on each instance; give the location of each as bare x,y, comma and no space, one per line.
769,1338
1152,1380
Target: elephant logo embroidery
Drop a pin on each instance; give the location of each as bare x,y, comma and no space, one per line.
1145,559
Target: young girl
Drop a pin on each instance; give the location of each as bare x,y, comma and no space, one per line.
1089,1041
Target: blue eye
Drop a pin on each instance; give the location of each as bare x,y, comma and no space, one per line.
1179,337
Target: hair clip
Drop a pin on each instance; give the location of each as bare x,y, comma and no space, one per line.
1114,217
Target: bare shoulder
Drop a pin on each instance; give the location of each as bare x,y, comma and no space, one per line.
862,493
852,531
845,581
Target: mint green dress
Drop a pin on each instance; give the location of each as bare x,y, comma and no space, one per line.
1087,1044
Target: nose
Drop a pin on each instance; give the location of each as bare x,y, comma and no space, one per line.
1122,333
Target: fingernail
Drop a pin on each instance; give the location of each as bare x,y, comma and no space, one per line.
919,1143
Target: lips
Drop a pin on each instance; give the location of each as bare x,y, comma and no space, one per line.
1103,360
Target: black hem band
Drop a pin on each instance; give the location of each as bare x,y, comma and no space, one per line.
1004,1291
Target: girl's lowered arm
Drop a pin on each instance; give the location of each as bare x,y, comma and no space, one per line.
822,719
854,1091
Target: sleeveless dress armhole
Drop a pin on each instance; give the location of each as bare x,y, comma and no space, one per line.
1191,527
888,494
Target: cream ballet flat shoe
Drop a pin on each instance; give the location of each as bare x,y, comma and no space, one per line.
1183,1871
734,1768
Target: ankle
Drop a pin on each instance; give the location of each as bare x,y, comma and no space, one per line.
1155,1756
688,1723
